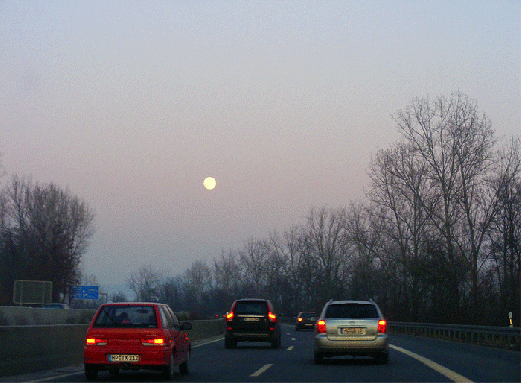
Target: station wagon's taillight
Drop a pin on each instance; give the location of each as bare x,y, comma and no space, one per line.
382,326
153,342
272,317
229,316
96,342
321,327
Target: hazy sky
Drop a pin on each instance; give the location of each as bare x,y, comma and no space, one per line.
131,104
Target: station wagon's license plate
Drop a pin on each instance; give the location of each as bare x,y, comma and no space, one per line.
251,319
351,331
123,358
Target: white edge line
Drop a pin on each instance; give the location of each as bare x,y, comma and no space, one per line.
455,377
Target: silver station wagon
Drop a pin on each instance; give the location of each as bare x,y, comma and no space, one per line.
355,328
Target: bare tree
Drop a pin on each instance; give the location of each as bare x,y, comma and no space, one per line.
398,189
325,240
253,258
505,233
289,272
197,285
45,233
227,273
145,283
455,143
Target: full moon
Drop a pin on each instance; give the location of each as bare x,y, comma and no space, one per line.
209,183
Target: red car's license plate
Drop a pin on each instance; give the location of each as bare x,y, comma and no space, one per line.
123,358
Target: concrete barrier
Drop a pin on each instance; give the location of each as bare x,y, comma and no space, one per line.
202,329
25,349
27,316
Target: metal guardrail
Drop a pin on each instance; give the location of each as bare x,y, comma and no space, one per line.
508,337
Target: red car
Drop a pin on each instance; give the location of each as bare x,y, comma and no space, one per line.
133,336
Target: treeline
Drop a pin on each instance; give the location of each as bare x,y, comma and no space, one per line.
438,238
43,234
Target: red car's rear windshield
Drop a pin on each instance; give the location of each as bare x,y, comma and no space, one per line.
135,316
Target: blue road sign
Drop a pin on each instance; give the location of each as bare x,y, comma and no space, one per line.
84,292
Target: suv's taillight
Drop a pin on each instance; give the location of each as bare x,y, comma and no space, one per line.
382,326
95,342
321,327
229,316
272,317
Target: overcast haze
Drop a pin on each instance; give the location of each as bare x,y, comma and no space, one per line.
132,104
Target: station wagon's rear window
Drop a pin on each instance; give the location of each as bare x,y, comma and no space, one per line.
135,316
351,311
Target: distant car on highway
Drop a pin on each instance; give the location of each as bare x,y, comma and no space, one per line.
355,328
306,320
252,320
133,336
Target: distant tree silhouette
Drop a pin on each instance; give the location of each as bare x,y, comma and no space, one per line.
438,239
43,234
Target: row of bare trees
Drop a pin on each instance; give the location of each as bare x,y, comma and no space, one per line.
437,240
43,234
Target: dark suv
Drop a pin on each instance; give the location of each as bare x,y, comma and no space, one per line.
306,320
252,320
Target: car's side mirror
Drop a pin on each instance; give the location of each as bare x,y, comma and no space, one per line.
186,326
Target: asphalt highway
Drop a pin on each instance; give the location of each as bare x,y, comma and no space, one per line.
412,359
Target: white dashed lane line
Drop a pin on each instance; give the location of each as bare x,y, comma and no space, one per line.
257,373
203,342
290,348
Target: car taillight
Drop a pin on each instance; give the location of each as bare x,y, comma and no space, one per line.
272,316
229,316
321,327
153,342
382,326
300,319
96,342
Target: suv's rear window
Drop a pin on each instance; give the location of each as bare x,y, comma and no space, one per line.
307,315
252,308
353,311
126,316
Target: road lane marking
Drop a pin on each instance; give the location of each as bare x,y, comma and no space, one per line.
205,342
293,339
257,373
290,348
455,377
55,377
